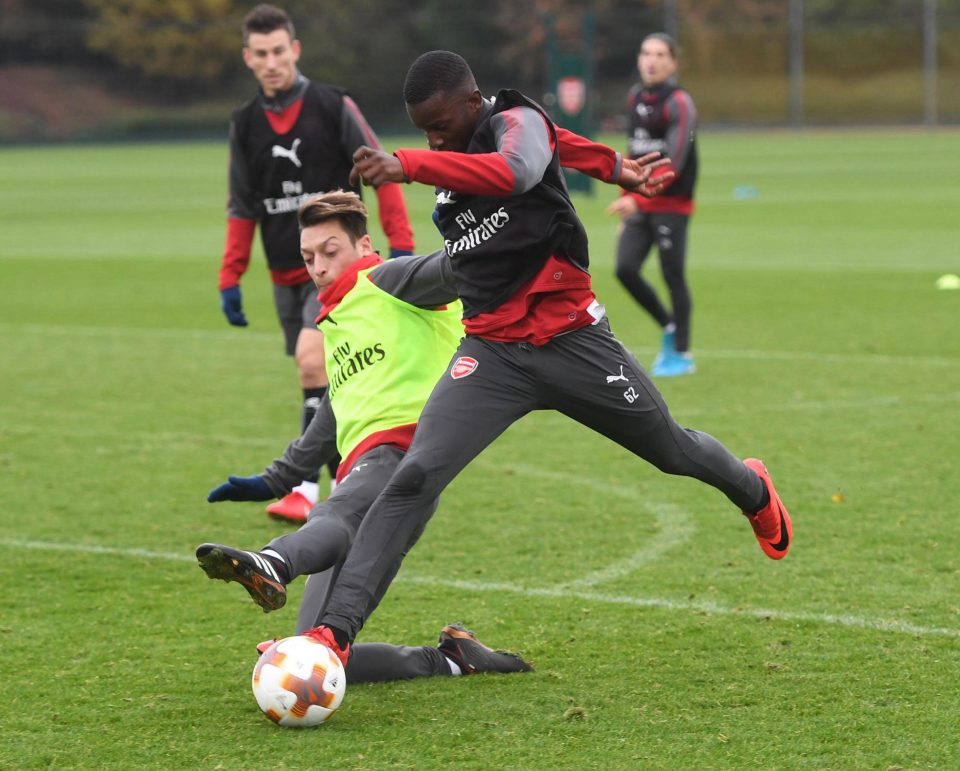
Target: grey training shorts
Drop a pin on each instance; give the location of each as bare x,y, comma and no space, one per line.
297,308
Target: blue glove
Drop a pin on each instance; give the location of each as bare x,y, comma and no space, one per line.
399,252
242,489
232,304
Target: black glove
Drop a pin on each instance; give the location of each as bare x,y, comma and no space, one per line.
242,489
232,304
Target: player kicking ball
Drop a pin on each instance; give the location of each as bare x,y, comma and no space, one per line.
392,329
386,336
536,336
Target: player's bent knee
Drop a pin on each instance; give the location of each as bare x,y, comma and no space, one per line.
412,478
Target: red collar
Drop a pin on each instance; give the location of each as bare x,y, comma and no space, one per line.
331,296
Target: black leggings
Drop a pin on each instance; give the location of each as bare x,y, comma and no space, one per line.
669,231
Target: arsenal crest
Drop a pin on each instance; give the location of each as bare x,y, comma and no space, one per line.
571,95
462,367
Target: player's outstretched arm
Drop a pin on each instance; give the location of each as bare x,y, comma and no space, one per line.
241,489
314,448
303,456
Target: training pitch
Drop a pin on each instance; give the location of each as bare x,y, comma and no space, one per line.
661,635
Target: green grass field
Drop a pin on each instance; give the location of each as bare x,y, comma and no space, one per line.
661,635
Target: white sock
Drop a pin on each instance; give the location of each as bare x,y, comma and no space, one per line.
671,327
454,667
309,490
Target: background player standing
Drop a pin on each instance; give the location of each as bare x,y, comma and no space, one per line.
294,139
661,117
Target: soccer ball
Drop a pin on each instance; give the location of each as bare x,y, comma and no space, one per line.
299,682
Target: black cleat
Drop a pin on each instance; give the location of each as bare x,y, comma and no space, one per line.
247,568
472,656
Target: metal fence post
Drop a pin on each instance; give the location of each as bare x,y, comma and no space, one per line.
930,63
795,64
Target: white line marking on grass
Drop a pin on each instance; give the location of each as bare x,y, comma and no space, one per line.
673,525
866,403
164,333
885,625
85,548
881,625
845,359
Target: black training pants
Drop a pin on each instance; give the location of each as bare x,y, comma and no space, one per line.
669,232
318,548
588,375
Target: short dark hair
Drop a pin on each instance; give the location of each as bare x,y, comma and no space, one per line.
265,19
663,37
435,72
342,206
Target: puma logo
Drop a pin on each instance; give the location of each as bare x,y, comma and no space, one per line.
445,197
290,155
615,378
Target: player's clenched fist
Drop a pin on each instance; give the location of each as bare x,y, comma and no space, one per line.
375,167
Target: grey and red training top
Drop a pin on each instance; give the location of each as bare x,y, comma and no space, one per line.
282,151
517,248
663,118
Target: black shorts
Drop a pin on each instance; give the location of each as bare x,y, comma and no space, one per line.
297,308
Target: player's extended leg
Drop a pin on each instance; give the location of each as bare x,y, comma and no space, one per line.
590,376
382,662
671,233
485,389
595,380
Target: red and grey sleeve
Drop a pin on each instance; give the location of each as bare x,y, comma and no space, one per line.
681,115
241,216
523,154
592,158
236,251
424,281
354,132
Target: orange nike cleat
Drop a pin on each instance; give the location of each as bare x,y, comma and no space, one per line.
293,507
771,525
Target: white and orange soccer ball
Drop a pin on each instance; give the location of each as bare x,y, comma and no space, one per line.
299,682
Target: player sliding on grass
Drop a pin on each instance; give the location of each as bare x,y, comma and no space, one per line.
536,336
384,336
391,330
